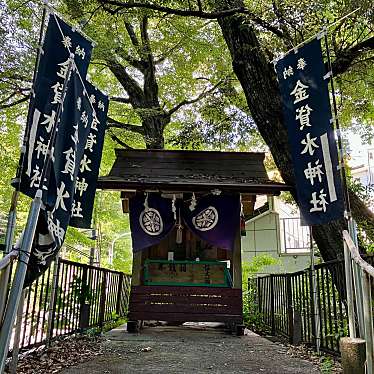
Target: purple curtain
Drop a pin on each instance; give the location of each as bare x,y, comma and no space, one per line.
151,223
215,219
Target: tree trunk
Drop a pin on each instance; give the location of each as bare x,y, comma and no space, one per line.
153,126
363,215
258,80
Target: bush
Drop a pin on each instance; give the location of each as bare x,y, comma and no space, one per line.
253,319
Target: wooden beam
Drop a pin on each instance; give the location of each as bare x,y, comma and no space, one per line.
237,261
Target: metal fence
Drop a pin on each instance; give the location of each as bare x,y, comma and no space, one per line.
289,306
294,237
69,298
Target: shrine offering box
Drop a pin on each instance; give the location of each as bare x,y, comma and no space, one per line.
186,273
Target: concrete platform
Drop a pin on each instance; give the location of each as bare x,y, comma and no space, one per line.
196,348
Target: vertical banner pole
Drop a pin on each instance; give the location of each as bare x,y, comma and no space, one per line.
349,288
52,300
368,314
349,273
4,275
17,334
11,226
338,133
19,278
28,238
317,320
357,282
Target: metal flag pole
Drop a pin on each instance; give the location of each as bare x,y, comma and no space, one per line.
313,36
11,225
17,334
52,300
349,274
317,320
338,131
357,277
28,236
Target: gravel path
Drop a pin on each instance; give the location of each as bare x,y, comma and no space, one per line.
197,349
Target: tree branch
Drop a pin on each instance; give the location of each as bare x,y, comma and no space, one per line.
161,58
123,100
8,98
135,92
346,58
116,139
190,13
131,32
144,34
150,81
112,123
131,60
279,14
14,103
194,100
199,5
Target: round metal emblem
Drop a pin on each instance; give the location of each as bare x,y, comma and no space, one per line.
206,219
151,222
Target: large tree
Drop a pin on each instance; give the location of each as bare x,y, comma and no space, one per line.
159,65
251,62
139,46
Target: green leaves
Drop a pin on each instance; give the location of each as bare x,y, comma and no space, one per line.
173,60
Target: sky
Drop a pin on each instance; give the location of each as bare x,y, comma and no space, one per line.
358,150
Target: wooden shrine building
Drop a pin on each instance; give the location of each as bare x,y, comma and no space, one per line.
185,211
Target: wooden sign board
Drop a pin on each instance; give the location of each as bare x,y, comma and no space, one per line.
186,273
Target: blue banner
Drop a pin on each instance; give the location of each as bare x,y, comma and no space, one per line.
80,131
60,40
43,249
306,107
67,161
85,190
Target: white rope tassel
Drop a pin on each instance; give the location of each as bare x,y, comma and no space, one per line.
146,206
193,202
173,207
179,238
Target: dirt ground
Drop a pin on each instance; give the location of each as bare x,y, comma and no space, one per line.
194,349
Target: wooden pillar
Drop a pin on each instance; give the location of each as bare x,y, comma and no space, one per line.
136,280
237,261
136,268
353,352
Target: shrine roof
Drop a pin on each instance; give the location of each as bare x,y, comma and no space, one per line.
185,171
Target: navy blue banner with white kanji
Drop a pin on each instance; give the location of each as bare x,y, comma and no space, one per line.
44,248
89,170
64,62
307,114
60,40
68,160
49,81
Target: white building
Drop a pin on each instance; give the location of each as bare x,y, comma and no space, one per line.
362,170
276,230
